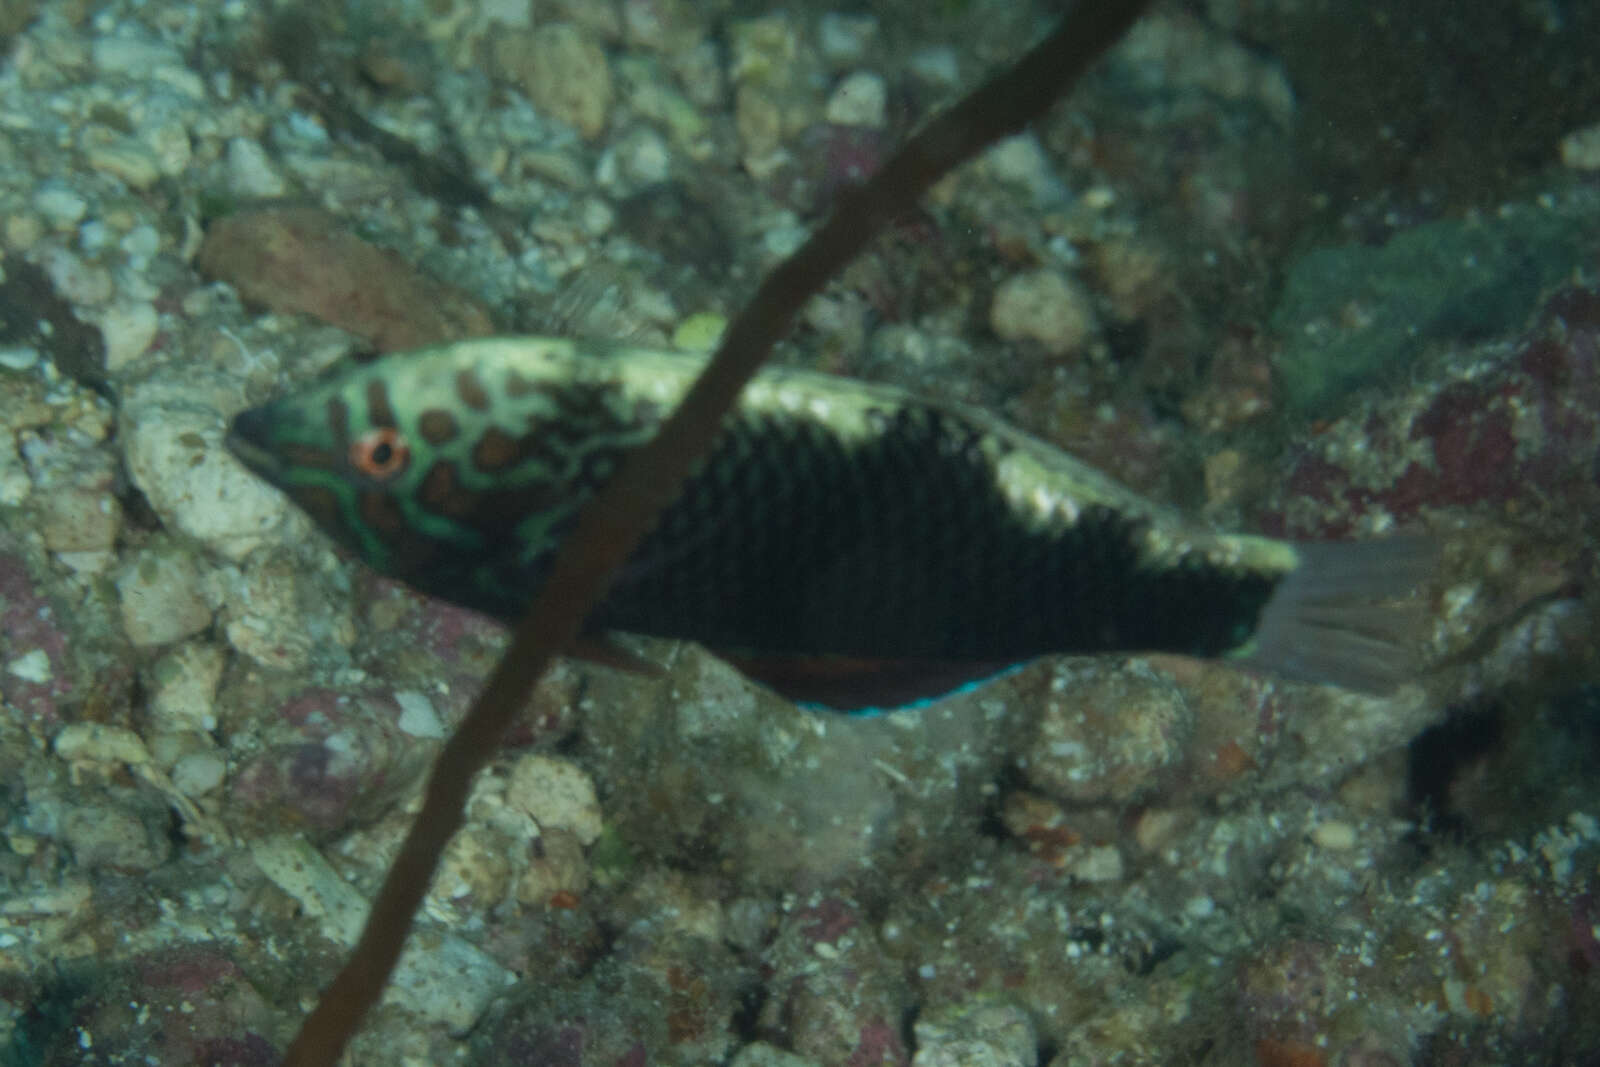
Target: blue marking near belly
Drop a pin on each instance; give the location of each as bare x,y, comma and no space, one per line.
922,702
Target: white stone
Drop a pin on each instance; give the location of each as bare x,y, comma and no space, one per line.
1580,149
1044,307
95,742
59,204
417,716
18,357
80,283
268,609
141,241
1021,161
860,99
123,158
439,977
251,171
186,687
1335,835
127,328
79,520
557,794
161,597
199,773
938,65
176,456
15,485
170,147
32,666
1102,863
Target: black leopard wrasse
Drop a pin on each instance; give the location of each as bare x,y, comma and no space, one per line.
844,542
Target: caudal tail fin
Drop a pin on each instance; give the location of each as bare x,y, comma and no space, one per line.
1344,616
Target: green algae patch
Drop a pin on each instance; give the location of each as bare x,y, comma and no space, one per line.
1355,315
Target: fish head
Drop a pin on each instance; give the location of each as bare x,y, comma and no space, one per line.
339,450
454,469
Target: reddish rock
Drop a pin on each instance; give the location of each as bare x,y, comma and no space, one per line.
35,671
301,259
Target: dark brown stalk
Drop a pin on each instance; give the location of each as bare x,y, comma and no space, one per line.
616,520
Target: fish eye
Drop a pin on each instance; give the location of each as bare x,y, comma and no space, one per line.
380,453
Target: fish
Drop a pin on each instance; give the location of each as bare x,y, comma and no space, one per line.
848,544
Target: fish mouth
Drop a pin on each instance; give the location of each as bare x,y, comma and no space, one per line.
247,437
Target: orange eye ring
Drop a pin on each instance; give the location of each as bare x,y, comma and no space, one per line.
381,453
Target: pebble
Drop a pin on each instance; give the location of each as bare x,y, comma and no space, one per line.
560,867
978,1033
1022,162
638,160
661,25
174,453
104,835
170,146
298,869
265,612
33,666
700,332
76,281
440,977
100,743
1100,863
1106,732
564,72
199,773
303,259
251,171
758,117
1580,149
62,206
1186,53
475,873
184,683
161,597
1042,306
763,50
652,98
417,716
844,39
557,794
80,526
18,357
860,99
1334,835
124,158
938,65
15,485
128,330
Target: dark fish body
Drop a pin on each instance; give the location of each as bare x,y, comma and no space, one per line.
834,519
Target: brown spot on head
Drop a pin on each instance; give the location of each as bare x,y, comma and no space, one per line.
379,413
517,385
495,449
321,504
471,391
442,494
436,426
382,514
339,423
